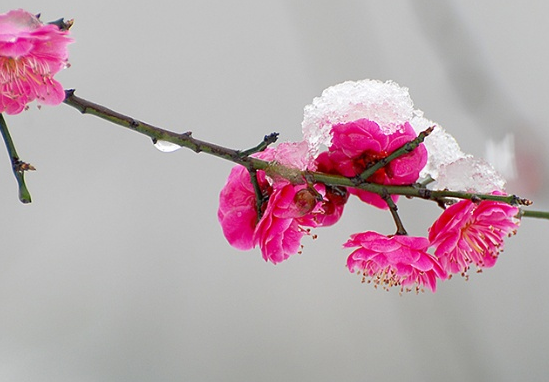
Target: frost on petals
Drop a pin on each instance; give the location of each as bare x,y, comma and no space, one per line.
359,144
394,261
387,103
31,53
472,233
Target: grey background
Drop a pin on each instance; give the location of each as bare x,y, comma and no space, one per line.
118,270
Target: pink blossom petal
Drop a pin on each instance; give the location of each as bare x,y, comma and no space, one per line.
288,208
468,233
394,261
359,144
30,55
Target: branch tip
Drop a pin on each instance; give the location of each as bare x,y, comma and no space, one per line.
267,140
69,93
20,166
517,201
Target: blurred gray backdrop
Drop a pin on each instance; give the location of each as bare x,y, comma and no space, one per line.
118,270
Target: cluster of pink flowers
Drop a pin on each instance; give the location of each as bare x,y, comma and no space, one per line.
287,211
466,233
31,53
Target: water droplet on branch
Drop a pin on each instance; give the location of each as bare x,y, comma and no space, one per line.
166,147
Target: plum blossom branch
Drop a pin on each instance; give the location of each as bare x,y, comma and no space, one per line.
275,196
159,134
17,165
416,190
275,169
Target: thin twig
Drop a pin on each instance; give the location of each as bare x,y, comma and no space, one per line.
267,140
259,197
18,167
394,212
403,150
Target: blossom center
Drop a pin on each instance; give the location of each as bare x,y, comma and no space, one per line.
22,69
368,159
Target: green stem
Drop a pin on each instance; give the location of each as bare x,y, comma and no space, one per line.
394,212
267,140
535,214
403,150
259,197
18,167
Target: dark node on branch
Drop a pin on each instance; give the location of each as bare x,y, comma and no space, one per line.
425,193
475,199
387,197
516,201
61,23
133,124
20,166
69,92
267,140
441,204
408,147
308,177
357,180
155,141
271,138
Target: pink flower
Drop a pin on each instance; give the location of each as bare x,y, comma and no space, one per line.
472,233
359,144
394,261
237,207
286,212
31,53
292,208
278,234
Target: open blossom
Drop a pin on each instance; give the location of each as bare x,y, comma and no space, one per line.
31,53
237,207
286,213
278,234
472,233
359,144
394,261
